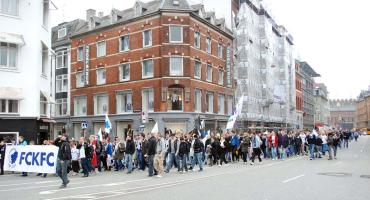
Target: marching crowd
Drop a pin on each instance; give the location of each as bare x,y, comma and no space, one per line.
160,153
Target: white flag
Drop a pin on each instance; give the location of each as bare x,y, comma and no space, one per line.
155,128
108,124
100,135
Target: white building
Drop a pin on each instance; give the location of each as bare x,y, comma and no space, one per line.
25,73
265,67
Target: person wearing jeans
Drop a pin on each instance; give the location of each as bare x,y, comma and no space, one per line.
84,161
173,150
273,143
130,150
63,160
311,140
198,153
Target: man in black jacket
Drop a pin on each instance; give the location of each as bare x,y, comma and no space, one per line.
198,147
2,156
150,153
130,150
64,158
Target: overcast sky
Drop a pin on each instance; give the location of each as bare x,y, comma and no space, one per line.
331,35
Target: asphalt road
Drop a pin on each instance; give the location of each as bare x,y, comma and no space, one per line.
296,178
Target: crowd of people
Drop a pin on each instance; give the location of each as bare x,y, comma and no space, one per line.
159,153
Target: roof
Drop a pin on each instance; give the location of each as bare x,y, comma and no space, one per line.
71,28
148,9
308,70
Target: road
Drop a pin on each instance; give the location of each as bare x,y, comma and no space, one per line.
296,178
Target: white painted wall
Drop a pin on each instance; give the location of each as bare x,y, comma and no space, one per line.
29,24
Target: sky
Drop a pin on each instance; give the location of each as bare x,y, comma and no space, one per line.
333,36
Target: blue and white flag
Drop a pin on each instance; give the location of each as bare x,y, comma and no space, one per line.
100,135
108,124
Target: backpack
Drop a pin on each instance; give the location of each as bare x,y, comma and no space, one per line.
90,151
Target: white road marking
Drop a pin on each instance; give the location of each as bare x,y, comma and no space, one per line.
36,187
294,178
89,186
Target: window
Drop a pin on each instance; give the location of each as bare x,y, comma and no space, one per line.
138,9
80,79
124,102
100,49
209,73
45,15
45,59
61,107
62,32
101,104
124,43
43,105
198,69
147,67
197,39
147,38
9,7
8,55
209,102
175,99
220,50
176,34
221,104
80,53
209,45
100,76
124,72
230,105
62,59
8,106
80,104
148,100
61,83
176,66
220,77
198,100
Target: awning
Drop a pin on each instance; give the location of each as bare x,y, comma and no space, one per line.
11,38
47,96
10,93
45,120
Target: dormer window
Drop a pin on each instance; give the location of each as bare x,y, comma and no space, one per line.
176,2
138,9
62,32
92,23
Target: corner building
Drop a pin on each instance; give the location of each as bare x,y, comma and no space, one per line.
165,58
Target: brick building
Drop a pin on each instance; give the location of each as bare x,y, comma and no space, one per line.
363,110
342,113
165,59
299,95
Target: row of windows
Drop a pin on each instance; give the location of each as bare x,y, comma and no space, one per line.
174,97
176,69
8,106
175,35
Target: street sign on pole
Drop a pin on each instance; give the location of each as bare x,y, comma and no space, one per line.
144,117
84,125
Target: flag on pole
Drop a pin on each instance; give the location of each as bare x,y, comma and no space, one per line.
155,128
238,111
108,124
100,135
208,134
203,124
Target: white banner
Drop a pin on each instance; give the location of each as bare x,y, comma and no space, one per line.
31,158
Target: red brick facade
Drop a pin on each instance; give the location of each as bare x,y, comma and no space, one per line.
160,52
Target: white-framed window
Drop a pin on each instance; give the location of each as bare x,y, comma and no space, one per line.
61,83
124,42
8,55
124,102
45,59
101,102
221,104
43,105
101,49
62,59
124,72
80,106
220,50
197,69
147,100
175,99
221,77
9,106
9,7
45,14
197,39
147,38
61,107
209,102
209,45
198,100
209,73
176,34
62,32
80,79
147,68
176,66
80,53
100,76
230,105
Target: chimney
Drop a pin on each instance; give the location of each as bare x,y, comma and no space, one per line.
90,13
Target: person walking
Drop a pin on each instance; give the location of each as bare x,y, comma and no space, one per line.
23,142
198,152
256,145
118,155
273,143
2,156
160,151
172,153
244,146
311,140
83,147
150,153
130,150
183,151
63,161
75,153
